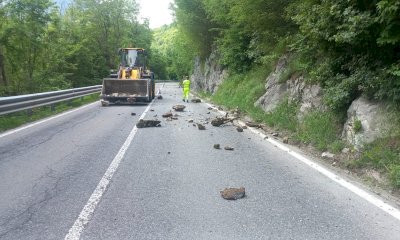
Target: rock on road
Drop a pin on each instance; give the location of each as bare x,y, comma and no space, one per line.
168,183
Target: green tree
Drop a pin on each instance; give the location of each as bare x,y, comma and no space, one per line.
3,77
176,51
194,23
22,35
93,31
243,31
249,30
354,45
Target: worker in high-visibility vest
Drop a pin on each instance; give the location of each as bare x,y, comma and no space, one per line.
186,89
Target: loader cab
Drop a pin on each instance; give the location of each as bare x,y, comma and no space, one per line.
133,57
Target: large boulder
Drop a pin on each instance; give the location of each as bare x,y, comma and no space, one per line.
366,121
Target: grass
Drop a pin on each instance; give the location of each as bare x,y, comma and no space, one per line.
382,155
204,94
242,90
284,116
13,120
321,129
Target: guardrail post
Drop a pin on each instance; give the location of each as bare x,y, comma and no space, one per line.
29,112
53,107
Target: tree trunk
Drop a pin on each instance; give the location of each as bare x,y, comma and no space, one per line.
3,79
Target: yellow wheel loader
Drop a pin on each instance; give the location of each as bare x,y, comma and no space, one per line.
133,82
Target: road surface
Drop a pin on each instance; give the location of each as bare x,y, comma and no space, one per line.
90,174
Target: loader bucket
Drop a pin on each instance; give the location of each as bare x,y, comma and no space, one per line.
126,90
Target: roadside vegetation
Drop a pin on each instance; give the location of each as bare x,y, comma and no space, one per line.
320,129
349,48
17,119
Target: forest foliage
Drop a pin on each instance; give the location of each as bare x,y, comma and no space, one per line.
43,48
173,53
349,47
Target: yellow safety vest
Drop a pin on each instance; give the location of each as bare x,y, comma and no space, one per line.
186,84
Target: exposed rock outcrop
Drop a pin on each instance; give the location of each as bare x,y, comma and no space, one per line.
366,122
208,76
295,90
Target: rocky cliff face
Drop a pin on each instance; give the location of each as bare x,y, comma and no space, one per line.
366,122
371,117
295,90
208,76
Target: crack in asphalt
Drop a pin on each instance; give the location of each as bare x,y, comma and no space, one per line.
18,222
16,148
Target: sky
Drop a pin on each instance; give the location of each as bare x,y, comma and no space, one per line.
157,11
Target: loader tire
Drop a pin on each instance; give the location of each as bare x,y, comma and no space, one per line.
149,98
153,89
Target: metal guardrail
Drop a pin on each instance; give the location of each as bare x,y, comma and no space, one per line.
29,101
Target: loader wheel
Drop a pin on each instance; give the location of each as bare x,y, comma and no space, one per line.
149,98
153,90
153,86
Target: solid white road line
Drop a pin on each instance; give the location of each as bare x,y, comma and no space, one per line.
334,177
88,210
45,120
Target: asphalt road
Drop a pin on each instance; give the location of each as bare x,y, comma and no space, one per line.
167,183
